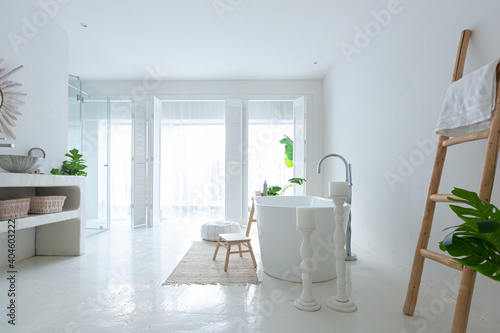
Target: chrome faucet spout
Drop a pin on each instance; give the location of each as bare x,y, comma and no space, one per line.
347,166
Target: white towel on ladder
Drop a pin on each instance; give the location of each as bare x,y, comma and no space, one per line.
468,103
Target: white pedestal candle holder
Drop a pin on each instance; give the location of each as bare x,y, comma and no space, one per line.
340,302
306,225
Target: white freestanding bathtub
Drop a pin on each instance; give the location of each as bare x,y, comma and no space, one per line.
280,240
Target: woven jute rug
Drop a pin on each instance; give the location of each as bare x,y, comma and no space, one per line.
198,267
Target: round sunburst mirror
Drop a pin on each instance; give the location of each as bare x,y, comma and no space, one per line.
9,101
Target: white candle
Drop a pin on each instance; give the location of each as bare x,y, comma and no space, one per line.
338,189
306,218
257,193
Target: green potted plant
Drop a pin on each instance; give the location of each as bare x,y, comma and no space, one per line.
73,166
276,190
476,242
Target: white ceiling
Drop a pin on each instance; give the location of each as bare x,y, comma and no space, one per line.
187,39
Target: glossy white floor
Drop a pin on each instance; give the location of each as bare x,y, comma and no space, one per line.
116,287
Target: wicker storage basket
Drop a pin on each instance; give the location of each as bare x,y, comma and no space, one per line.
47,204
14,208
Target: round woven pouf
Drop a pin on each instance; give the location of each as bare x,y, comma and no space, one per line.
210,231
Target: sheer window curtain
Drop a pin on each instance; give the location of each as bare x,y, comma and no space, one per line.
193,160
269,122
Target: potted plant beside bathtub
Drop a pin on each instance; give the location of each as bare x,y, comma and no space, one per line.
277,190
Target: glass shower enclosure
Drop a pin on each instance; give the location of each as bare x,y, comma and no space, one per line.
89,132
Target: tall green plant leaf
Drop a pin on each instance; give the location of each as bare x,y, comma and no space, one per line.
476,242
288,151
298,181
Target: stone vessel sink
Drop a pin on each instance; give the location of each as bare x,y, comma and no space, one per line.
19,163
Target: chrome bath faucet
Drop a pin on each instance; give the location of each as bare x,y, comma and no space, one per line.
348,178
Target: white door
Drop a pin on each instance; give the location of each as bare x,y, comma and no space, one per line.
234,196
139,164
154,139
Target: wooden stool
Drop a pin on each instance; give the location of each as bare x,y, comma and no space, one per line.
228,240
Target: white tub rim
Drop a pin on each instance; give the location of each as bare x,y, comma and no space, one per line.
312,201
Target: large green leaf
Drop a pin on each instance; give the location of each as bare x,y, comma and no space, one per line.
273,191
476,242
474,252
479,211
288,150
299,181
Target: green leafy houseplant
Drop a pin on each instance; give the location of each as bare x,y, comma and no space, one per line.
476,242
73,166
276,190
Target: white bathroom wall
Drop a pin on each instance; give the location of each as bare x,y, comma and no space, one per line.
43,50
29,39
382,100
286,89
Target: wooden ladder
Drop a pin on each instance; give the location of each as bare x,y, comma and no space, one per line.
485,188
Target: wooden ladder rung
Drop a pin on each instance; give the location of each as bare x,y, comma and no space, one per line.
442,197
467,138
441,258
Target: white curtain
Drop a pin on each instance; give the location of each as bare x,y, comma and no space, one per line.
192,160
269,122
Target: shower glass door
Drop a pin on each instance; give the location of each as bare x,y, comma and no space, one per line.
74,113
95,150
89,124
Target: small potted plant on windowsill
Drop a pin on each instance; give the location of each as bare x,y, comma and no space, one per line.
476,242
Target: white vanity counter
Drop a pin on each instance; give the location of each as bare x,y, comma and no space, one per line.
54,234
